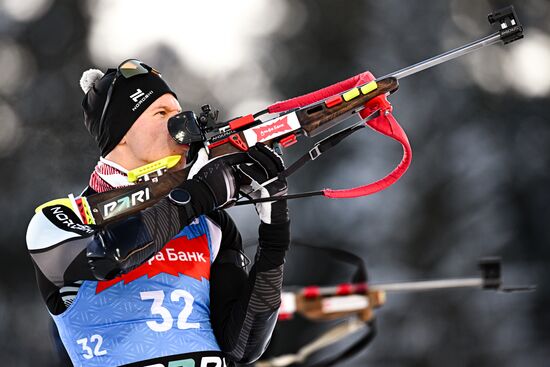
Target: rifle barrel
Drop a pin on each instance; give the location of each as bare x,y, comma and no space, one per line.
444,57
429,285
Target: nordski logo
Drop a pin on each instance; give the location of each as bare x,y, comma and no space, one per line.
276,128
136,98
137,95
61,213
181,255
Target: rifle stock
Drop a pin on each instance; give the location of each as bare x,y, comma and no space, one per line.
318,117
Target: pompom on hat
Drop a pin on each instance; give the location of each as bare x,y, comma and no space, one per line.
130,97
89,77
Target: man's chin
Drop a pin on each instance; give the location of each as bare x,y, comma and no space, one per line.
182,151
181,164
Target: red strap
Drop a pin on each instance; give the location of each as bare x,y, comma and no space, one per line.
321,94
385,124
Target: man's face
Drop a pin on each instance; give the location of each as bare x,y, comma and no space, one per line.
148,138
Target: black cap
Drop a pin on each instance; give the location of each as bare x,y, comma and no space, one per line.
129,99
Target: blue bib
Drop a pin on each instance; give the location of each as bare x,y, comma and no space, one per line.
159,309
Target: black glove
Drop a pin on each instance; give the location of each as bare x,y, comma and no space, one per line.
215,185
119,247
267,166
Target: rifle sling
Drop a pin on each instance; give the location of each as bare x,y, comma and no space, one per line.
317,150
320,148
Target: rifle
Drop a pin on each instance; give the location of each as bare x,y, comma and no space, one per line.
356,303
307,115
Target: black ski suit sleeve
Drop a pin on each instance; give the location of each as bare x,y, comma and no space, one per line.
244,308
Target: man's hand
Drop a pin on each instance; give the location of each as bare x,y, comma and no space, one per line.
119,247
213,184
219,176
266,167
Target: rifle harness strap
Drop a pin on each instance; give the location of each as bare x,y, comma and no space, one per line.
320,148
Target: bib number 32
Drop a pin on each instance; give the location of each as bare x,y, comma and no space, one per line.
167,320
90,353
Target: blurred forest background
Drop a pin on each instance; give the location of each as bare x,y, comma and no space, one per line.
478,184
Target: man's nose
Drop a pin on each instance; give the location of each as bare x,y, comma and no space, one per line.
173,113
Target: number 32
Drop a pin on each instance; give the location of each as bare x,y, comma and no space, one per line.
97,350
167,320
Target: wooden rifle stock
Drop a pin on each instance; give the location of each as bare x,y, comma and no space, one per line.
318,117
